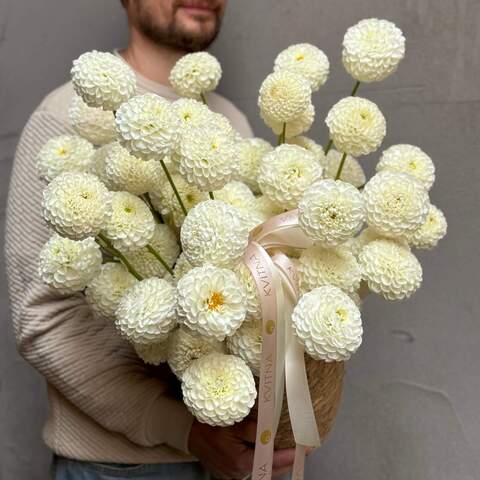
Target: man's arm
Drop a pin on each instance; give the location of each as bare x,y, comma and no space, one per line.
81,356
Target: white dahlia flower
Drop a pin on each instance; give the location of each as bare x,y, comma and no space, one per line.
237,194
106,289
164,200
396,203
390,269
284,96
357,126
211,301
338,266
208,158
310,145
306,60
185,346
254,310
372,50
267,208
76,205
331,212
352,171
214,232
102,80
295,127
147,311
182,266
191,113
431,231
97,166
408,159
250,156
219,389
286,173
127,172
368,235
69,265
62,154
246,343
148,126
164,241
94,124
131,225
153,353
195,74
328,323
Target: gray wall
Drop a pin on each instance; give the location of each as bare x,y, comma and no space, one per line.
411,404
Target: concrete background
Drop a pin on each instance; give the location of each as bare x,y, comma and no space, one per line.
412,396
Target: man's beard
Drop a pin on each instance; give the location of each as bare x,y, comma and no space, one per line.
173,35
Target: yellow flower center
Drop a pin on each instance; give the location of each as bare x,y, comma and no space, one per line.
62,151
342,314
187,116
412,165
219,386
215,301
299,57
86,195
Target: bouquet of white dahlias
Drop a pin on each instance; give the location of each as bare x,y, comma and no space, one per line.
152,205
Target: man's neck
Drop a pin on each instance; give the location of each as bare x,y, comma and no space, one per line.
149,59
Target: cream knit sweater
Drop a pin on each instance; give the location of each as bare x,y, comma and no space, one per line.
105,404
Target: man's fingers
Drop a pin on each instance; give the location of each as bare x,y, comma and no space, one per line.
283,458
247,431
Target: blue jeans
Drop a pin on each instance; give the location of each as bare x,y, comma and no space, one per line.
65,469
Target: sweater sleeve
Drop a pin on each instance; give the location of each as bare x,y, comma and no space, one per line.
81,356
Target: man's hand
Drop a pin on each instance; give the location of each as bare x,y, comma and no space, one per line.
227,452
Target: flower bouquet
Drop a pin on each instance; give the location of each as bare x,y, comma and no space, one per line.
241,264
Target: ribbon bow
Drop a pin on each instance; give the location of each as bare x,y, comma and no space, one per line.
282,363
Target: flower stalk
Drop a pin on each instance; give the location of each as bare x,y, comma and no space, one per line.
340,167
160,259
174,188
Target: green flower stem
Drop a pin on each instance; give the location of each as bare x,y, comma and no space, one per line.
340,167
204,99
211,195
281,137
174,188
116,253
156,214
352,94
160,259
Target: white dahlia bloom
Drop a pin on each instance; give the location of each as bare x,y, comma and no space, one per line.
195,74
208,158
97,166
286,173
328,323
284,96
372,50
153,353
238,195
148,126
76,205
62,154
295,127
306,60
211,301
219,389
254,310
147,311
246,343
338,266
357,126
368,235
131,225
214,232
310,145
69,265
127,172
182,266
94,124
430,232
106,289
250,156
185,346
390,269
352,171
164,241
103,80
396,203
267,208
408,159
331,212
164,200
191,113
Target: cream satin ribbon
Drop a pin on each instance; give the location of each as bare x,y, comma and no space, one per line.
282,355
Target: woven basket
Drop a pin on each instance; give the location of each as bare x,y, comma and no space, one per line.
325,381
